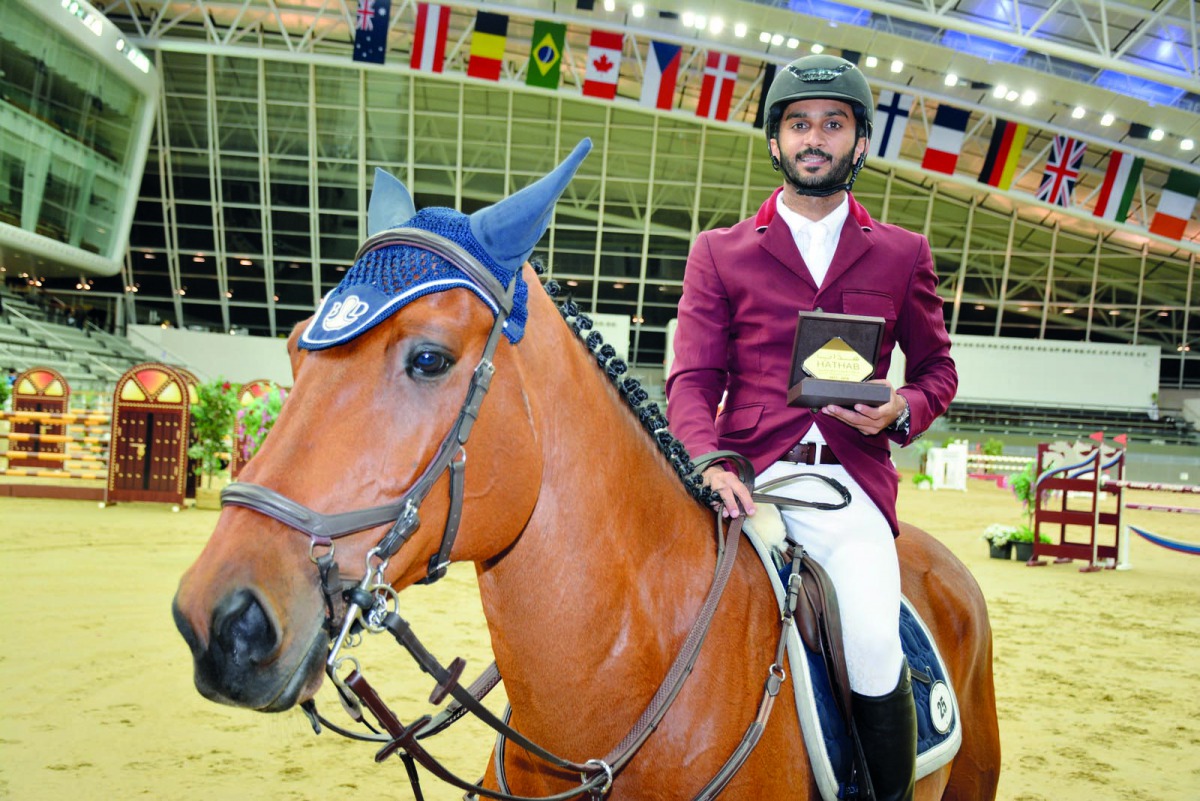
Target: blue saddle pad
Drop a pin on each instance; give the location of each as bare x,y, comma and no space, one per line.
938,734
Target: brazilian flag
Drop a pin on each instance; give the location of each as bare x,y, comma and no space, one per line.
545,54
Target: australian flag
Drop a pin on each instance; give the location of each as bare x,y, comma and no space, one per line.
371,30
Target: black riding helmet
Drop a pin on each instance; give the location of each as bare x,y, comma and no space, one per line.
821,77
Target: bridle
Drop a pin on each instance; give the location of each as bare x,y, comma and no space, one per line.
372,603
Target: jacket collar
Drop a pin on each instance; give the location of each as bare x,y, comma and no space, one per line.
777,240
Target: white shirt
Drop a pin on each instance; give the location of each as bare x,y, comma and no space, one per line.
816,240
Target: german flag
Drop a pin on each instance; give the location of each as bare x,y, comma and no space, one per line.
1008,140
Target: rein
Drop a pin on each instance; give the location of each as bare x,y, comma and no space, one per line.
373,604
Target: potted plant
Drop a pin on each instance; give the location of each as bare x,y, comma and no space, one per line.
212,426
1022,542
254,421
999,539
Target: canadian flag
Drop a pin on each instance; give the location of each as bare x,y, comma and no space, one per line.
716,92
603,65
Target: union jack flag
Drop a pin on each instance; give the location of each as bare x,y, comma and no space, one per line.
1062,171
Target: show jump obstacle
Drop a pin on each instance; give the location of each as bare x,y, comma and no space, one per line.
1080,507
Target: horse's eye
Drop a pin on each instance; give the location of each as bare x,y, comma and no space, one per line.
428,363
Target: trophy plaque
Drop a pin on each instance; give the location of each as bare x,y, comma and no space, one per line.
832,358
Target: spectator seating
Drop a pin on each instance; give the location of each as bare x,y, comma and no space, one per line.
1059,422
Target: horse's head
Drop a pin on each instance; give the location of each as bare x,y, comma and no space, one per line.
365,473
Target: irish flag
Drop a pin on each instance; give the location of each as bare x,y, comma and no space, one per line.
1176,204
1120,184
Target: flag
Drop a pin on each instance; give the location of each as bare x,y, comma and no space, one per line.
1062,171
716,92
891,120
1121,439
1000,164
1098,436
760,116
603,65
545,54
429,41
946,139
371,30
1175,204
1120,182
662,70
487,46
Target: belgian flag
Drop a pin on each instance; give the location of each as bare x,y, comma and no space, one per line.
487,46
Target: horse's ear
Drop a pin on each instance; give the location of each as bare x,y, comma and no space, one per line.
510,229
390,203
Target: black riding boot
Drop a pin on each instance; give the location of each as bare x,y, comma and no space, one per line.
887,728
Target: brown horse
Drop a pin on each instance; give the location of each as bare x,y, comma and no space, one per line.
592,560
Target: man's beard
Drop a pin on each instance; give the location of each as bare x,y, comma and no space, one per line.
839,171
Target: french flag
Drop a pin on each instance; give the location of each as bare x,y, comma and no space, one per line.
946,139
661,73
429,41
716,92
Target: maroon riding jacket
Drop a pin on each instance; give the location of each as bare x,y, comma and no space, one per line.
737,320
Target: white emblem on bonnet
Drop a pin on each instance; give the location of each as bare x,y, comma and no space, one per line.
343,313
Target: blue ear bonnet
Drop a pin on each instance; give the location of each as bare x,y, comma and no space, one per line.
386,279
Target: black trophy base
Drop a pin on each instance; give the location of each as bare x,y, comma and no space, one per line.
814,393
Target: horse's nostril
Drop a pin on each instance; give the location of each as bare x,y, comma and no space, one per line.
242,633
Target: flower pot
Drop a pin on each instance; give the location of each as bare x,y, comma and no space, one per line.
1000,551
208,498
1024,551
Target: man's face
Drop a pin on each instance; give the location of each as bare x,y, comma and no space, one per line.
816,144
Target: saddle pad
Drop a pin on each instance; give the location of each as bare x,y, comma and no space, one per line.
939,734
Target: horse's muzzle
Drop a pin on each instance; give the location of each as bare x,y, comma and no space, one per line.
241,664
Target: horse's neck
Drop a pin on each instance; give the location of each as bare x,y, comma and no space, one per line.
616,558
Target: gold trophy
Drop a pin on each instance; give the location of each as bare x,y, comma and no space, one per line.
832,358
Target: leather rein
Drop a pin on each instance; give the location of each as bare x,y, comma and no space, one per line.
372,604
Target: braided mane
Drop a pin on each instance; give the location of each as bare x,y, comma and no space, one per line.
648,413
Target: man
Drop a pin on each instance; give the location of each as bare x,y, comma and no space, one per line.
810,246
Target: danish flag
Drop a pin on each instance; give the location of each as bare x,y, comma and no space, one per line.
1062,171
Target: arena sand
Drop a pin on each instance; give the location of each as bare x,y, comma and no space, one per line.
1096,673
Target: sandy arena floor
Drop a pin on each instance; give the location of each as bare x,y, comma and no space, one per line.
1096,673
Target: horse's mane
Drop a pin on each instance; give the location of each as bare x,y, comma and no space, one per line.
651,417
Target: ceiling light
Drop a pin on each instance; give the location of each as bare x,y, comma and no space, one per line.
700,22
716,25
198,259
229,293
618,285
739,30
1000,91
817,47
1078,112
639,10
793,42
1114,312
872,62
687,18
1028,98
777,39
1164,313
897,65
1157,135
245,262
1011,95
1107,120
979,307
1187,144
609,5
764,37
951,79
1068,311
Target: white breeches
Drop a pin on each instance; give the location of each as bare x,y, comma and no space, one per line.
856,547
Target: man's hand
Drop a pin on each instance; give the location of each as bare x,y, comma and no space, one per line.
731,490
870,420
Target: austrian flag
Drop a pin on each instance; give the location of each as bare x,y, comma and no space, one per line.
716,92
603,65
429,41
